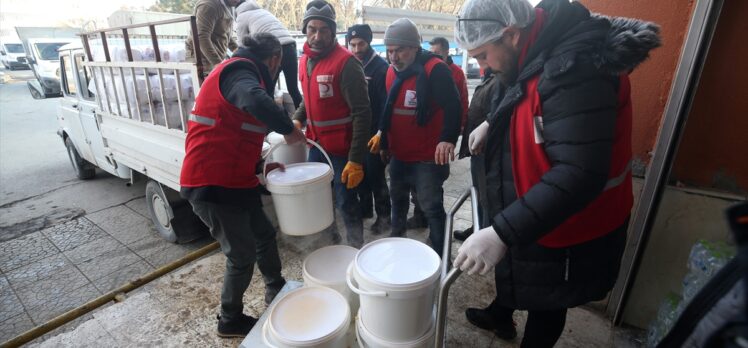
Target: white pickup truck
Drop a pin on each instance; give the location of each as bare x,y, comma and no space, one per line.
124,109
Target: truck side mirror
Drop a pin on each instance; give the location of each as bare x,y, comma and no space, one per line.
2,52
24,60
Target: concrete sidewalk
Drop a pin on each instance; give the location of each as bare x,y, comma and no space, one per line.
180,308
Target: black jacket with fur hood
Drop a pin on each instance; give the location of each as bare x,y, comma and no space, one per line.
580,57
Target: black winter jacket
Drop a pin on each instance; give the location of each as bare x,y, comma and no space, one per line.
579,58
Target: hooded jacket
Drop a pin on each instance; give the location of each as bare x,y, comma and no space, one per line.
579,59
253,19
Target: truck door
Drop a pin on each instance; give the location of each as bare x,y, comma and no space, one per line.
87,113
70,106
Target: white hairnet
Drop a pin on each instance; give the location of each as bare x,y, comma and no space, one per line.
483,21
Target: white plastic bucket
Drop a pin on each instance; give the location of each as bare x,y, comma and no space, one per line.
284,153
396,281
309,317
327,267
368,340
302,196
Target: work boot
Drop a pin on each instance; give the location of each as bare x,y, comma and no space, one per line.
236,328
272,290
482,318
367,213
416,221
464,234
381,225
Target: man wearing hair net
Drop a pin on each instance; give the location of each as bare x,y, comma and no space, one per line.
557,144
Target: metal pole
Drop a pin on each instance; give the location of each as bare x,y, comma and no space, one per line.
114,295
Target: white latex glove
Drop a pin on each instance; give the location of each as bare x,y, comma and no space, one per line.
480,252
477,139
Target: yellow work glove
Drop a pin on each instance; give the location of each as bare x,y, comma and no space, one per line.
374,142
353,174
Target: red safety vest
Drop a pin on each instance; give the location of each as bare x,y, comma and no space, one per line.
223,143
329,120
409,142
529,162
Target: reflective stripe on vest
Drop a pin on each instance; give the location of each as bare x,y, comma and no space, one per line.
202,120
339,121
253,128
207,121
404,112
618,180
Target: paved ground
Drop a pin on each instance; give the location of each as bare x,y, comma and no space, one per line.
179,310
63,241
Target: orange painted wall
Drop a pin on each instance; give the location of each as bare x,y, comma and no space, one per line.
651,80
713,152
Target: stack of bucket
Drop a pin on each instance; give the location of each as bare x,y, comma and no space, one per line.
396,280
321,313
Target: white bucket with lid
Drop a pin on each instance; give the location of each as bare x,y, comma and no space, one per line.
284,153
327,267
302,196
309,317
396,279
368,340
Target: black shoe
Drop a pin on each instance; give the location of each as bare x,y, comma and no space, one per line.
272,290
483,319
381,225
367,213
416,222
236,328
464,234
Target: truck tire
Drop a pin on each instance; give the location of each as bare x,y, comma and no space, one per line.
84,170
172,215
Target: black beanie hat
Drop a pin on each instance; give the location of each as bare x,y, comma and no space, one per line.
319,9
359,31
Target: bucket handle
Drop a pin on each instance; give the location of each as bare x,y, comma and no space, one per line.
265,336
349,276
309,141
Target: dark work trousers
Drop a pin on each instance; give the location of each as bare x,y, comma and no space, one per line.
427,178
245,235
290,68
374,187
543,328
345,200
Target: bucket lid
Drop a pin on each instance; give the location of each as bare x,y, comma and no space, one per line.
309,314
329,264
398,262
298,174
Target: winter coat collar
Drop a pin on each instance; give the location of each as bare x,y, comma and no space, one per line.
571,34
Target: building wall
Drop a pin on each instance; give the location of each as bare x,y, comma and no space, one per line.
651,81
714,147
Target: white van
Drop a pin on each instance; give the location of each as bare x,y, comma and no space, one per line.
10,52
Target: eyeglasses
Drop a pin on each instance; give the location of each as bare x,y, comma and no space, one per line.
460,20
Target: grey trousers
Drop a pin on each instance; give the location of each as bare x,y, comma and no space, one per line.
245,235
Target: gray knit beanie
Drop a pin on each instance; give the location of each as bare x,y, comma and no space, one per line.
319,9
402,32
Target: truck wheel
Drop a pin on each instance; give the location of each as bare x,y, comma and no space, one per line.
172,216
83,169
